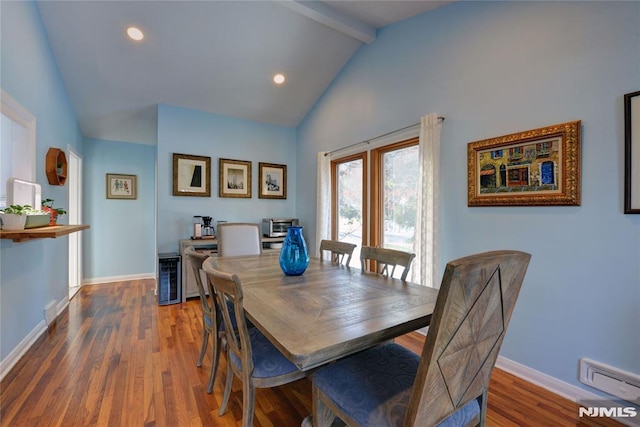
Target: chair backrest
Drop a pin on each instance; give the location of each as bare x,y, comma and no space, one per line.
470,319
195,261
239,238
339,250
386,260
229,298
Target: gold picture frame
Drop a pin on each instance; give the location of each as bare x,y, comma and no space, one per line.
539,167
235,178
191,175
632,153
120,186
273,181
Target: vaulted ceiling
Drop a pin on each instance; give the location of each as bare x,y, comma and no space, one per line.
214,56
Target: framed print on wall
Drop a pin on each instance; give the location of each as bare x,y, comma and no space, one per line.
191,175
632,153
235,178
273,181
539,167
121,186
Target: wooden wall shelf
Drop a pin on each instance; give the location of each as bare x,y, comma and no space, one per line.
55,166
52,231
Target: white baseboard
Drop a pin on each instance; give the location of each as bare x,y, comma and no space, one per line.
556,386
140,276
23,346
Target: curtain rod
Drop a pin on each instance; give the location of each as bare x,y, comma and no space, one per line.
367,141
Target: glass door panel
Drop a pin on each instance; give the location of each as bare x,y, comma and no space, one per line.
349,205
399,198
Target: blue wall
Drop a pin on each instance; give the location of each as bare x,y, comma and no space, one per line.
494,68
36,272
121,241
204,134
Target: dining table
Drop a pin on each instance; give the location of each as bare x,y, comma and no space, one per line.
328,312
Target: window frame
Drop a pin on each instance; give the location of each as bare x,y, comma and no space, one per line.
372,187
376,208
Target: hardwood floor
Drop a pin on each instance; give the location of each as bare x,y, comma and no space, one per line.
116,358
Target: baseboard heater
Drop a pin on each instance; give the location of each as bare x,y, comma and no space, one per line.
616,382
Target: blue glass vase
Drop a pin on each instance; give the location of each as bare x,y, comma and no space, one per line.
294,256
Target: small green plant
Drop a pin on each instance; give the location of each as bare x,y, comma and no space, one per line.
19,210
47,205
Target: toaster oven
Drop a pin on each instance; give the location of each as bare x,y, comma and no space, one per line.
277,227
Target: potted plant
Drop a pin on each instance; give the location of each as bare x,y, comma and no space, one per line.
14,217
47,206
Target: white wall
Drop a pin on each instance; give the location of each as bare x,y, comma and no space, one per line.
494,68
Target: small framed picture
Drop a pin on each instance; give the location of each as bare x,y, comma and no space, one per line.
235,178
191,175
539,167
273,181
121,186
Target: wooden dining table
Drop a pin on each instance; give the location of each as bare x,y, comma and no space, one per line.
328,312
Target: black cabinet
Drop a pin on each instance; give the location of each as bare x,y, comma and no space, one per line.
169,282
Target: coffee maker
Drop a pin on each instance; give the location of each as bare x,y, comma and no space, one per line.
202,228
207,228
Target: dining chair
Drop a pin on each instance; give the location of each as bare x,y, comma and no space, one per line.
239,238
386,260
250,355
339,250
447,385
210,318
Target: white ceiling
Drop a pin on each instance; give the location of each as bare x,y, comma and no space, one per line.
214,56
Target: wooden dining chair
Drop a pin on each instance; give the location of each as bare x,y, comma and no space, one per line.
385,260
210,318
250,355
239,238
339,250
389,385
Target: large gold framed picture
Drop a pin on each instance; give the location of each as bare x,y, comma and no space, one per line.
539,167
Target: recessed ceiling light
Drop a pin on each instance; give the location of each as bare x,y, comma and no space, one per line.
278,79
135,33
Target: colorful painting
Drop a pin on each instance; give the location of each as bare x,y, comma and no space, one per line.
534,168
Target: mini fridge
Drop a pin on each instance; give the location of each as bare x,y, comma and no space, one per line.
169,281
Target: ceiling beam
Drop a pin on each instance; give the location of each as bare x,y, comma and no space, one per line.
332,18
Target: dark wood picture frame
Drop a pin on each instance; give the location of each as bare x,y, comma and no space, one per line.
191,175
539,167
273,181
121,186
234,178
632,153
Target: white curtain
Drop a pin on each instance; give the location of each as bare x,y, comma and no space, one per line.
323,211
426,242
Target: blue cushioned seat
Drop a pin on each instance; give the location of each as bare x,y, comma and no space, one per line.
373,386
448,384
248,350
267,360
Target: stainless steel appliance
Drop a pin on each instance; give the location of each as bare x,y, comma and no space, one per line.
277,227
